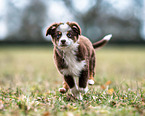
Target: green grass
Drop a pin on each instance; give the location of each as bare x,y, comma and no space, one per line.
29,83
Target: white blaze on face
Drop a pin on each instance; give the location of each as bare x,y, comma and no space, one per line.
64,28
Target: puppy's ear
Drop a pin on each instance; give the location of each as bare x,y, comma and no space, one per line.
51,29
75,27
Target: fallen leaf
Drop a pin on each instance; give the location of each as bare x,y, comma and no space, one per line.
110,91
46,114
108,83
103,87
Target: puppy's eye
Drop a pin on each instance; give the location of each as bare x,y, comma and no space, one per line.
58,35
69,35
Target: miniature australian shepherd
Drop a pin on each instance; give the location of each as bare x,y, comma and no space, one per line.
74,56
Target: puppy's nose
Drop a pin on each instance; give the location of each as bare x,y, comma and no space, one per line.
63,41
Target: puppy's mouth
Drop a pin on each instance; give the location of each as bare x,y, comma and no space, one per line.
63,46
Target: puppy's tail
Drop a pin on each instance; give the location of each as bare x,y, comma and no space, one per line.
102,42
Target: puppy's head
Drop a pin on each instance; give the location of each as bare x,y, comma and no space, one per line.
64,34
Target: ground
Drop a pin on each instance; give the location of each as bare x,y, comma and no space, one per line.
29,83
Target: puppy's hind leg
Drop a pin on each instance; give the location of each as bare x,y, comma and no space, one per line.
91,69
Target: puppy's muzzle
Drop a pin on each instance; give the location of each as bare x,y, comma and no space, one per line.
63,42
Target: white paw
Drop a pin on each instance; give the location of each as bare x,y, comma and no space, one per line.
91,82
83,90
62,90
79,97
76,93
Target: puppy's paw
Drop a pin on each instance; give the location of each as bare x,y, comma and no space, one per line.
91,82
83,90
62,90
76,93
78,96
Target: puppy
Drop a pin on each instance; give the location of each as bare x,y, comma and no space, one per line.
74,56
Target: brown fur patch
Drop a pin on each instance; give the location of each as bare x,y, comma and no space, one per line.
75,27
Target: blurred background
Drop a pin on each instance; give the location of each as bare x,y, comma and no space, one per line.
26,21
29,80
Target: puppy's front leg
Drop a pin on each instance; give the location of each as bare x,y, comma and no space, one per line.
64,89
83,81
69,80
73,86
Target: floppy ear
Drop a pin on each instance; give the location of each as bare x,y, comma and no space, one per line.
51,29
75,27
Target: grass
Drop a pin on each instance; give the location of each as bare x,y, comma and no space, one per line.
29,83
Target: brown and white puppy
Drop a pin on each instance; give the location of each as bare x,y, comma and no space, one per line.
74,56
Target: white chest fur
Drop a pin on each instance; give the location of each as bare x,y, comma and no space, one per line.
74,66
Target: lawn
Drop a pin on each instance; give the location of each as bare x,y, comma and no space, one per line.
29,83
